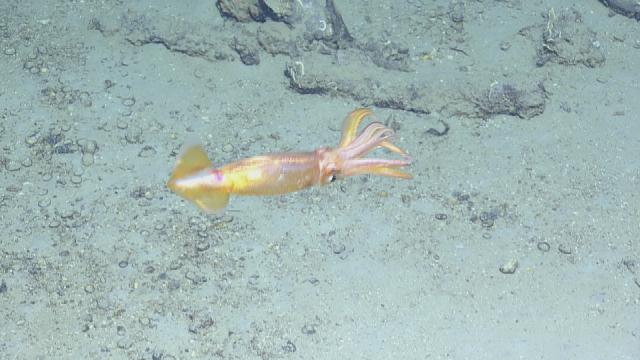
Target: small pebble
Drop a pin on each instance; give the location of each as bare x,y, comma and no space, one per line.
54,224
27,162
89,289
509,267
10,51
75,179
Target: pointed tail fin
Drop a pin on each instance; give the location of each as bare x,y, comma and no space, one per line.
200,191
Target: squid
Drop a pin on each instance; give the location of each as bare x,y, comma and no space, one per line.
209,188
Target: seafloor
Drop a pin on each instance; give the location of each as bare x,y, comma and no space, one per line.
518,237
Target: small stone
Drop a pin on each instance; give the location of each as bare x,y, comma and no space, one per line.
54,224
89,289
10,51
75,179
27,162
509,267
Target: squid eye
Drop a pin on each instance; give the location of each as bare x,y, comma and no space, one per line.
332,178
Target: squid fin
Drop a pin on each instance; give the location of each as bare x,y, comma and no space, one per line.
209,199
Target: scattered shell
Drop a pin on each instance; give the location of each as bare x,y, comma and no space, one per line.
124,344
88,146
75,179
175,264
145,321
133,136
128,102
338,248
309,329
147,151
27,162
227,148
562,248
202,245
509,267
10,51
543,246
43,203
12,165
88,159
441,216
